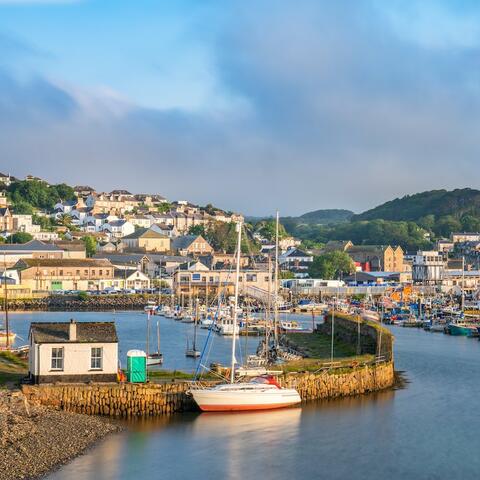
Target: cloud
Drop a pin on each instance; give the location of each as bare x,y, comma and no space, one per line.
334,107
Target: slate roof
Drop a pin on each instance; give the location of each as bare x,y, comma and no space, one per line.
87,332
62,262
118,258
144,233
32,245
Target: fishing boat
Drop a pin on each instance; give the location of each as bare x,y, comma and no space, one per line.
370,315
461,329
292,326
260,393
150,307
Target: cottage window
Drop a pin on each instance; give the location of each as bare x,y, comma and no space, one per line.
107,272
100,272
96,358
57,358
93,272
85,271
60,272
78,272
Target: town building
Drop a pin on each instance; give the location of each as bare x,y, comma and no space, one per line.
73,352
11,253
193,245
296,261
377,258
428,267
460,237
147,240
130,279
65,274
6,220
197,279
118,228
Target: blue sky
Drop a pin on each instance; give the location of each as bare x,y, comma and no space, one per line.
251,105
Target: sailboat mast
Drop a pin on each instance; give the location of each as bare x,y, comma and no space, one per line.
235,303
275,305
195,326
7,326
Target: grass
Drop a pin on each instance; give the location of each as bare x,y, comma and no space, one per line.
12,369
318,345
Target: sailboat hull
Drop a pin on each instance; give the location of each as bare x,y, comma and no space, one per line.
211,400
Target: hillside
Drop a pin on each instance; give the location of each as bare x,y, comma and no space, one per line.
440,203
326,216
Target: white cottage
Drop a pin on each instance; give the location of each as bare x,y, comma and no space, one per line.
73,352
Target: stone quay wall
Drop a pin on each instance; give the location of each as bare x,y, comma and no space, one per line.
371,337
143,400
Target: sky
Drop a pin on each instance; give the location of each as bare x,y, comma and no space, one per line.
252,105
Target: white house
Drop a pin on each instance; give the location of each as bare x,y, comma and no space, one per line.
73,352
131,279
118,228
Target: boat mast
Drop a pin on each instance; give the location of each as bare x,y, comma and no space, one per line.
235,303
275,304
195,326
463,283
7,328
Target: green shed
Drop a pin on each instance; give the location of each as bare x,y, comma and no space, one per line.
136,366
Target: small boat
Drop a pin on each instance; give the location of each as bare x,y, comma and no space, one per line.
3,337
206,323
192,351
261,393
187,318
154,358
370,315
461,329
150,307
292,326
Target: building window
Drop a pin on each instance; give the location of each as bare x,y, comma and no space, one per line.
96,358
100,272
78,272
57,359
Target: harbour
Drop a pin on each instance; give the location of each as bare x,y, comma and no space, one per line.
395,433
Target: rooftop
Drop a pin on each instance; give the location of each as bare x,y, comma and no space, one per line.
87,332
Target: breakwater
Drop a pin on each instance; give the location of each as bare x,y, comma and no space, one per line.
74,303
367,336
143,400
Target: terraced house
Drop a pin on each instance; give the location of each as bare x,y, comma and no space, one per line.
65,274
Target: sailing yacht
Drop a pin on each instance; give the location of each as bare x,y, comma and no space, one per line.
260,393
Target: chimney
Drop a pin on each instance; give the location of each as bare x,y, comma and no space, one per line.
72,330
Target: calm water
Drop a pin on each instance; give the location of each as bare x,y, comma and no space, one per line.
429,430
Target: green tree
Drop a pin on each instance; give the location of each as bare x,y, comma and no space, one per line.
90,245
331,265
164,207
197,230
65,220
267,229
470,223
20,237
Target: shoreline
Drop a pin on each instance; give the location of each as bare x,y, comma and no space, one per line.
35,440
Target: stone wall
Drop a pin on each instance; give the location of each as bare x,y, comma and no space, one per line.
374,338
131,400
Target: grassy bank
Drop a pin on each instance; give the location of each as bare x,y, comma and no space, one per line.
12,369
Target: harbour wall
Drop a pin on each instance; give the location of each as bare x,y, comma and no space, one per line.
368,336
144,400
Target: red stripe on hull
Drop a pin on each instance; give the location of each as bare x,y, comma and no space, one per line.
242,408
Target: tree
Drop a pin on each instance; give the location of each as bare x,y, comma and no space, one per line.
267,228
197,230
20,237
65,220
164,207
286,275
331,265
90,245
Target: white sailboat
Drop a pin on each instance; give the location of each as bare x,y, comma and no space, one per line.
261,393
192,351
154,358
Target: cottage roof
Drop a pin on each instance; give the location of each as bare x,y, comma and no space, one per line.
32,245
70,245
122,259
87,332
144,233
62,262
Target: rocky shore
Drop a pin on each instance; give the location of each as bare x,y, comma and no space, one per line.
35,440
